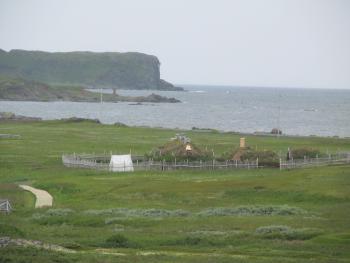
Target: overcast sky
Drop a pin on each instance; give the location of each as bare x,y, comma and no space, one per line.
292,43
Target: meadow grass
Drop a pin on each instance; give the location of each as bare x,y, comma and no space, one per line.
262,215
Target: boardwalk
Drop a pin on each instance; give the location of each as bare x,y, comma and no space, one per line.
43,198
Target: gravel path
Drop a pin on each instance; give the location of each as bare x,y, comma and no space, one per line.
43,198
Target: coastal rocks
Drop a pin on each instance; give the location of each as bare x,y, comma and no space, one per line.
157,98
9,116
18,89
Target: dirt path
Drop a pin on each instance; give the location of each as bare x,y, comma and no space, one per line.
43,198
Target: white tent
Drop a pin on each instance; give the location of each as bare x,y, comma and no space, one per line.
121,163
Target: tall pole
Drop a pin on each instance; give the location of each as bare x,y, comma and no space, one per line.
101,99
279,121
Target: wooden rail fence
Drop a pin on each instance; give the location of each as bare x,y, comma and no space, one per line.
101,162
340,158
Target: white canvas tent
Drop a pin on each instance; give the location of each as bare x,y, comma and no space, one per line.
121,163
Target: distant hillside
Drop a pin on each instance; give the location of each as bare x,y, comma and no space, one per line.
109,70
18,89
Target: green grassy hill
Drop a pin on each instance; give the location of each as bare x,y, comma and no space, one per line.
263,215
110,69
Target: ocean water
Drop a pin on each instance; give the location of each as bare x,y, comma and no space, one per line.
242,109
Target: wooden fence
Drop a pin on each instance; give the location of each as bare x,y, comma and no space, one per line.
339,158
5,206
101,162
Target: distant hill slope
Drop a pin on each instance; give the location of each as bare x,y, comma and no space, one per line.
109,69
18,89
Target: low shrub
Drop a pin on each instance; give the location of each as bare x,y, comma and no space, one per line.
72,245
184,241
252,211
117,241
126,212
286,232
59,212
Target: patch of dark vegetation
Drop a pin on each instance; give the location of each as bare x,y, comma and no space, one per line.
286,232
66,216
16,254
76,119
253,211
10,230
118,241
72,245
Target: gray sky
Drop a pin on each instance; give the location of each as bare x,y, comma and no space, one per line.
293,43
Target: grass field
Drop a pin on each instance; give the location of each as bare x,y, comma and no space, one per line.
263,215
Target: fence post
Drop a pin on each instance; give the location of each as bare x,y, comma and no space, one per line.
257,162
280,163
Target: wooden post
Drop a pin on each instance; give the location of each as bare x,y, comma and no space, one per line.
280,164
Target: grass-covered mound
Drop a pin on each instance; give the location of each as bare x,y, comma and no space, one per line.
266,158
304,152
180,150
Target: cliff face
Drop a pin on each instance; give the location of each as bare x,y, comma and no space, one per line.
109,70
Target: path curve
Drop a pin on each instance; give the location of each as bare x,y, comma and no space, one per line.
43,198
